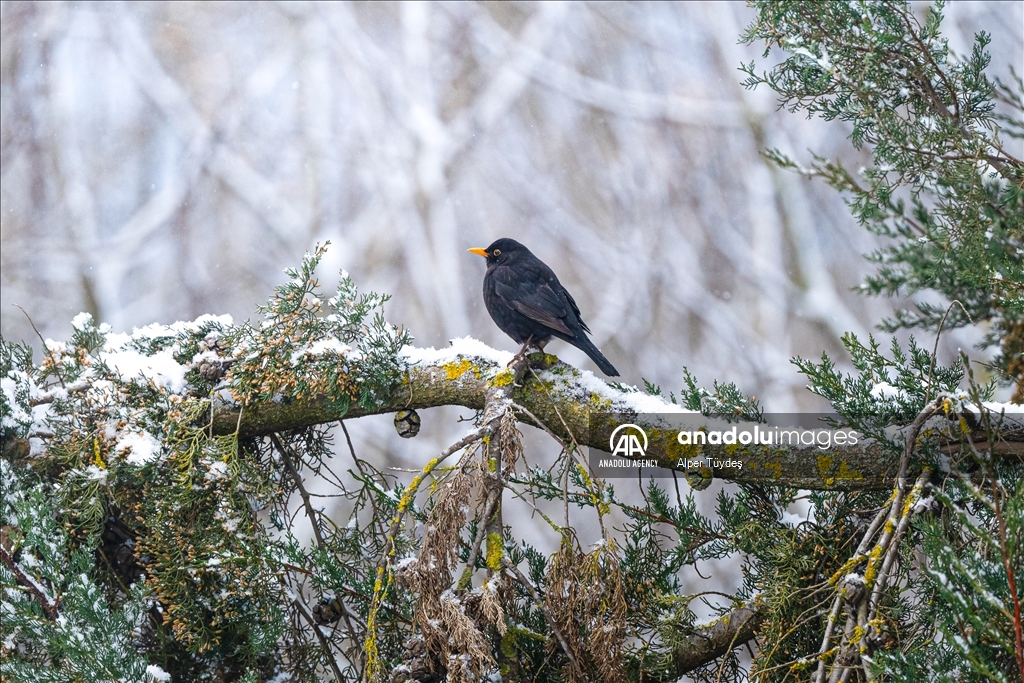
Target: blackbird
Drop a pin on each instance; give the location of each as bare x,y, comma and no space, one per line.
529,304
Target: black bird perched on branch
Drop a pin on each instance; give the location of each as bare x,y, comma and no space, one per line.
529,304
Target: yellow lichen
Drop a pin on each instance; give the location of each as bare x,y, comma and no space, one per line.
825,463
848,474
874,560
503,378
675,451
584,475
456,369
495,551
97,457
845,569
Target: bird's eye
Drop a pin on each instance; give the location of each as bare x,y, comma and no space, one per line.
496,252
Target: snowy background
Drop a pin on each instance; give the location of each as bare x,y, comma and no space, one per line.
165,160
161,161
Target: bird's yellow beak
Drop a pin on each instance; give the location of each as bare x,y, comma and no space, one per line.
479,252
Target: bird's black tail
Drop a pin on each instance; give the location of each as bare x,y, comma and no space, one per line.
587,346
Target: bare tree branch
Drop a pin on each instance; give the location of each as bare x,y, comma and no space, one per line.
717,637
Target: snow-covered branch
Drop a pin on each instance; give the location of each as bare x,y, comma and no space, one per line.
565,400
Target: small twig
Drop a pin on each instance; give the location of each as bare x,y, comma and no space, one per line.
887,548
384,577
296,568
470,438
42,341
325,646
570,453
294,474
481,533
49,606
539,423
935,347
351,448
837,605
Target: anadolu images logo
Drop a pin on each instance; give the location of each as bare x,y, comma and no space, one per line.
628,445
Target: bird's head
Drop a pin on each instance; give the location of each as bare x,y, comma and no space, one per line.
501,251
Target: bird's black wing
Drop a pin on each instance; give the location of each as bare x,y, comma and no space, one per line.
575,308
536,299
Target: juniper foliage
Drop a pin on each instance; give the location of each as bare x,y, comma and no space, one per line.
132,528
946,182
946,190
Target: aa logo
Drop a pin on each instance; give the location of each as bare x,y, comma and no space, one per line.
628,443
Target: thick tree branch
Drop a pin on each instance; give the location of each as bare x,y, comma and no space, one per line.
564,398
716,638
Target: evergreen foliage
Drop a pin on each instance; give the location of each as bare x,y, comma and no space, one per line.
947,190
946,183
140,544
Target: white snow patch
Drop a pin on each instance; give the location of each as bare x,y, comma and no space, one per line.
331,344
41,417
142,446
94,473
36,446
637,401
160,368
218,470
925,505
319,348
157,674
81,321
461,346
883,390
404,563
789,519
204,355
156,331
18,414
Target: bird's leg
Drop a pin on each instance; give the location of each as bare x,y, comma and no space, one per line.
522,352
539,345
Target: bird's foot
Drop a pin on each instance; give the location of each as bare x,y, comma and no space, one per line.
530,344
520,355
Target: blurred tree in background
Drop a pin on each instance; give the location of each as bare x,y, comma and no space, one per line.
165,160
176,507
